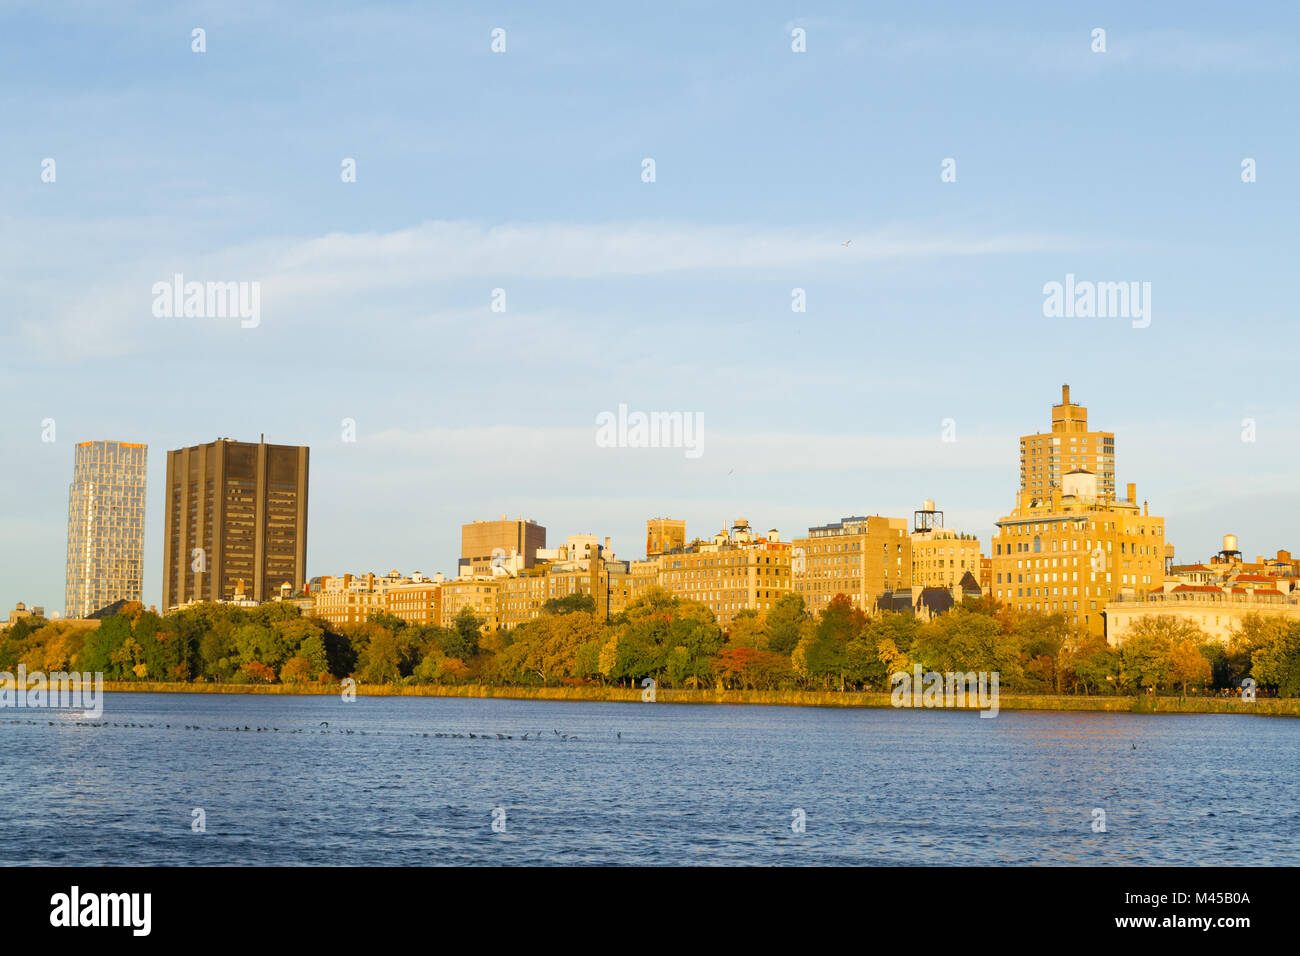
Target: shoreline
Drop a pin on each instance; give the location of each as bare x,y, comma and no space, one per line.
1270,707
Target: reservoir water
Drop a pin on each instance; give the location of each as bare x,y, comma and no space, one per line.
682,785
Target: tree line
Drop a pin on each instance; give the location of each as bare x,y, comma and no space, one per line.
676,642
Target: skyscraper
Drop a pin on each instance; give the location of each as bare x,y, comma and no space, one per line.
236,511
1046,457
105,525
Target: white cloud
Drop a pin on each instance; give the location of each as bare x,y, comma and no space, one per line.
107,312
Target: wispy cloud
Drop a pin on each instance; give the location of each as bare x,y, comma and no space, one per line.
109,312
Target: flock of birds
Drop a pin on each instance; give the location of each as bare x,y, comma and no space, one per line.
324,725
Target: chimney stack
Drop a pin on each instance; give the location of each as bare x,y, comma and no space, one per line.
1132,492
1065,394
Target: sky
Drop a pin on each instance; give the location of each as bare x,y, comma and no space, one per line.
922,353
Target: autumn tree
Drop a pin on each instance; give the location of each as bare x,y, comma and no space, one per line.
748,629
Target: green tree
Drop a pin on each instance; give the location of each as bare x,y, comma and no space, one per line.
462,640
784,621
824,648
748,629
1093,665
1041,638
1277,663
1148,655
661,635
963,641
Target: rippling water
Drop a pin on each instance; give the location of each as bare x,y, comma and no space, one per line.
685,785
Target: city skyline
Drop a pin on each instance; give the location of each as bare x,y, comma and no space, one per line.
483,532
925,299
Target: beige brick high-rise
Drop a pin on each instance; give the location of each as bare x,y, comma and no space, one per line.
235,511
1046,457
106,501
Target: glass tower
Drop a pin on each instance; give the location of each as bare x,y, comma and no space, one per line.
105,525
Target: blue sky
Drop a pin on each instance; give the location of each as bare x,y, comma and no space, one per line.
522,171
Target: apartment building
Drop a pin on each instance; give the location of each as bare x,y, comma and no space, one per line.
734,570
1077,551
479,594
1218,610
417,600
613,584
860,557
941,556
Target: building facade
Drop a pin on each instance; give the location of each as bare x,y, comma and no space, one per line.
234,511
483,541
1216,595
733,571
1046,457
941,557
480,594
417,601
353,598
106,504
664,534
859,557
1217,611
1077,551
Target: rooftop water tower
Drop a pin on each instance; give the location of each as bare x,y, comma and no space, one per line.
927,519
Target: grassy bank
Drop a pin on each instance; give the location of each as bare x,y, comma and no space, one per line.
1289,707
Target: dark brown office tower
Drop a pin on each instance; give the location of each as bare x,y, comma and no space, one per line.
236,511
